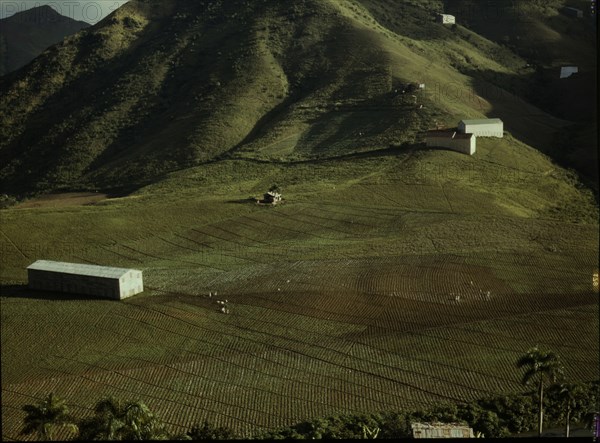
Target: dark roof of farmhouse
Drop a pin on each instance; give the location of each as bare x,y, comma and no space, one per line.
431,426
79,269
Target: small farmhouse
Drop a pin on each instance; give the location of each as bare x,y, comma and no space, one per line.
74,278
456,141
485,127
441,430
272,197
572,12
568,71
446,19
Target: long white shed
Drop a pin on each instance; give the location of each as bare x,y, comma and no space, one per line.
446,19
484,127
75,278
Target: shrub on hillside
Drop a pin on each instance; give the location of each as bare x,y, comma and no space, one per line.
210,432
516,413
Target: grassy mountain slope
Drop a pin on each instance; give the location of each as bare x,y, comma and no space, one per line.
174,84
27,34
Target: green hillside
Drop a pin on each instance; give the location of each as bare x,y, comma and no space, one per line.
170,85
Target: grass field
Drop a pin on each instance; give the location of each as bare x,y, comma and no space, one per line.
341,300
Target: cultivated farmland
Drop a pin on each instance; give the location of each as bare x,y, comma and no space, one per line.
392,276
341,300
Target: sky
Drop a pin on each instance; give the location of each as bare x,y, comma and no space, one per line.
91,11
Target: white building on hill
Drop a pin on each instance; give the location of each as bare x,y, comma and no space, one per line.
74,278
446,19
456,141
485,127
572,12
568,71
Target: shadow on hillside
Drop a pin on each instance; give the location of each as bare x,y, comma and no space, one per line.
24,292
572,99
263,124
335,132
414,21
391,151
243,201
541,110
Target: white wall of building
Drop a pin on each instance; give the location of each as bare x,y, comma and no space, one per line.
568,71
82,279
446,19
492,129
463,145
130,284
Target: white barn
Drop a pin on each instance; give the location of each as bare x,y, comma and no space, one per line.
464,143
446,19
75,278
485,127
441,430
568,71
572,12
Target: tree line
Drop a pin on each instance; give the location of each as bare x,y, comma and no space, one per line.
551,399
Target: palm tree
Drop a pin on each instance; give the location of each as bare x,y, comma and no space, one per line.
540,366
142,424
109,415
43,418
570,395
117,420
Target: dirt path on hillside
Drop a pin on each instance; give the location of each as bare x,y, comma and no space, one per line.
63,200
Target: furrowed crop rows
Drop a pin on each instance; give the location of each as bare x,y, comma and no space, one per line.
242,346
458,377
271,415
496,362
275,358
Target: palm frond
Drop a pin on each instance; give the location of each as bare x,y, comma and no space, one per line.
528,376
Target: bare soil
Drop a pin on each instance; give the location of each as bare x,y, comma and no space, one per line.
63,200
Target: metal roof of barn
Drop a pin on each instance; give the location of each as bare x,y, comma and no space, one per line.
79,269
437,430
481,121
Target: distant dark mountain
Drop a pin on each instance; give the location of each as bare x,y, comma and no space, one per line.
27,34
